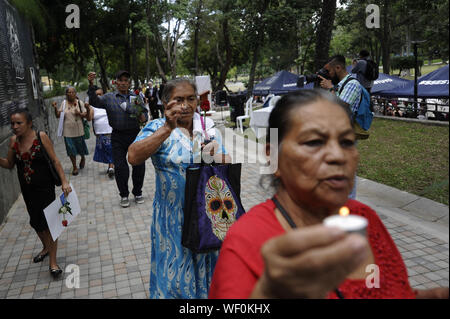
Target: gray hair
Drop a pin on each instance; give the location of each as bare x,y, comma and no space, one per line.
171,85
280,118
70,87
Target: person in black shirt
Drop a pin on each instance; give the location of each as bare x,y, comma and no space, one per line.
122,118
151,95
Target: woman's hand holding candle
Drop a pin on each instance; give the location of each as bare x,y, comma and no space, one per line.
308,262
346,222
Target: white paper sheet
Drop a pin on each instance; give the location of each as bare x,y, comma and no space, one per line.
61,120
54,219
203,83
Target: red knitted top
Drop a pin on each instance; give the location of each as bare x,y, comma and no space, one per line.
240,263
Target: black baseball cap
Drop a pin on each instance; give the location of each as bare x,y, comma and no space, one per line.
122,72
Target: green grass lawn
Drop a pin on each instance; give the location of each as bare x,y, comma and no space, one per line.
409,156
425,70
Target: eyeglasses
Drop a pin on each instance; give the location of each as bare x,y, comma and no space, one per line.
188,100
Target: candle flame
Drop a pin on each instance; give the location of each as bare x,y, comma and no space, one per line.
344,211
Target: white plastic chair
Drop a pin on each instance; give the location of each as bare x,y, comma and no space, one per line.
248,113
268,97
274,100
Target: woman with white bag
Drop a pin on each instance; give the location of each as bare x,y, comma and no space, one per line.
71,114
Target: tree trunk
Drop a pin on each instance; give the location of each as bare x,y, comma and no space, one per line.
126,56
196,35
251,79
229,55
324,32
101,62
160,70
147,58
134,72
386,39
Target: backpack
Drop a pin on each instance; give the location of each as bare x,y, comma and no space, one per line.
363,116
372,70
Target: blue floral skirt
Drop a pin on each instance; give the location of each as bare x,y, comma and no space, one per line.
103,149
75,146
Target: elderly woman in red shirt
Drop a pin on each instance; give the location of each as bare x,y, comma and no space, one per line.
280,249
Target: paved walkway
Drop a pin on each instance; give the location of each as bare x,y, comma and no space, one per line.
111,245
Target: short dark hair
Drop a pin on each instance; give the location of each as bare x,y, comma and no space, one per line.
364,53
23,111
171,85
280,117
337,59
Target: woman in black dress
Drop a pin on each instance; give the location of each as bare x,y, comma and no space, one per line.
36,182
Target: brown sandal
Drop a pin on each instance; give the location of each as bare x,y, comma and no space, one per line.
75,172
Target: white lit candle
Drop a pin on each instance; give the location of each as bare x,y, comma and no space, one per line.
347,222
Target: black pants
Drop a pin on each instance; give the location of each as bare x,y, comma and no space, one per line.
154,111
161,109
120,141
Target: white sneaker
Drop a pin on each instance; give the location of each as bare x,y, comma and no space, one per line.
139,199
124,202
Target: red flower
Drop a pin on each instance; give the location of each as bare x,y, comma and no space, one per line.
36,143
205,105
25,156
64,223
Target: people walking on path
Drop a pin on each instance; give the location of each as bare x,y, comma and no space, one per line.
125,121
102,131
71,114
175,271
36,181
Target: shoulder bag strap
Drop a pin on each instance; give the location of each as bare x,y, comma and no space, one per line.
204,126
284,213
44,151
350,78
79,106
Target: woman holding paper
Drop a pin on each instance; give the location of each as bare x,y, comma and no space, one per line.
36,182
71,114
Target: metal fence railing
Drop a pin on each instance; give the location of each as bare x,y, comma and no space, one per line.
434,109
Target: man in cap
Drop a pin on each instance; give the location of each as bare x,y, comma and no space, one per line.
122,118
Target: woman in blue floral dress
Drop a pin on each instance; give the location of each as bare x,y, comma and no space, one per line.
173,143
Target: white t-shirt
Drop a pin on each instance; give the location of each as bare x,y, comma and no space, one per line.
100,121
